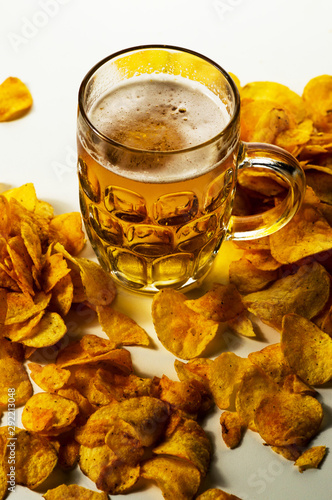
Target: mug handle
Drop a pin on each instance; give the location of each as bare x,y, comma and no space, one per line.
286,167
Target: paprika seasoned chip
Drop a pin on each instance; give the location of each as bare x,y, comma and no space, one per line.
15,99
305,293
176,478
49,413
311,459
307,349
286,418
182,331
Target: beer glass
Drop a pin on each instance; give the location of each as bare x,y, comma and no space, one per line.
158,154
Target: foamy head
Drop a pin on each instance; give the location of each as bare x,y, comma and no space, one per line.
159,113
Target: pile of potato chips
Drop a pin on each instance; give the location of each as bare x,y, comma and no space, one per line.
93,411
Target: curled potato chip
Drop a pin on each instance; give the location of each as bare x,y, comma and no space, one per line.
121,329
13,377
73,491
49,377
232,428
182,331
305,293
184,396
49,413
54,269
35,458
196,369
272,362
226,373
102,466
187,440
242,325
123,439
176,478
286,418
216,494
20,307
50,329
311,459
307,349
15,99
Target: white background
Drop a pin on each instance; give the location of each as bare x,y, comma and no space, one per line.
50,45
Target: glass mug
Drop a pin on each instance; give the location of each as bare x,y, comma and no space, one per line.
158,154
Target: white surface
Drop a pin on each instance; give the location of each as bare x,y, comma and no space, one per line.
50,45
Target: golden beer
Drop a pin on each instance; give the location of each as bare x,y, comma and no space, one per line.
158,152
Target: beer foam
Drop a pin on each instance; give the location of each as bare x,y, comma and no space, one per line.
159,112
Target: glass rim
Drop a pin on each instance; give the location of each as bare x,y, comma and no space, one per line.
92,71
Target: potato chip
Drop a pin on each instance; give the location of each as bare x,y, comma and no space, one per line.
41,406
49,377
247,278
272,362
232,428
176,478
197,369
226,372
286,418
20,307
10,349
146,414
50,329
317,95
32,243
262,259
73,491
216,494
311,459
84,406
102,466
181,330
306,234
123,439
187,440
21,264
121,329
13,376
305,293
308,349
74,354
321,183
254,387
35,458
54,269
242,325
183,396
62,296
17,332
221,303
15,99
67,230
